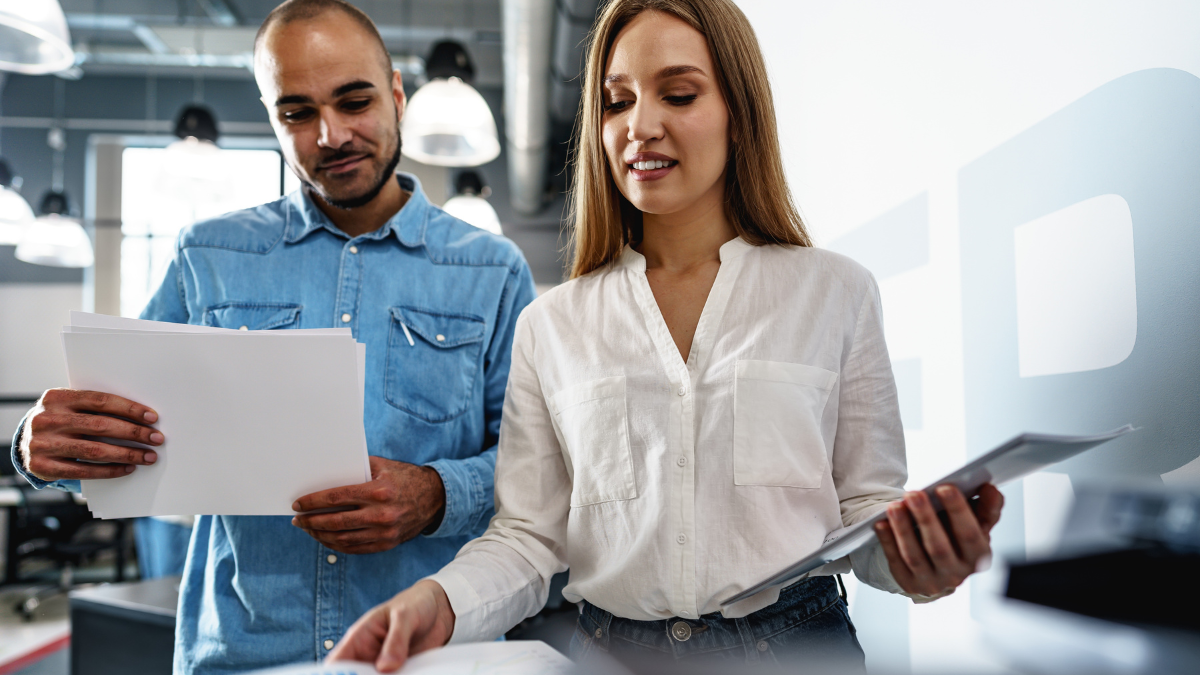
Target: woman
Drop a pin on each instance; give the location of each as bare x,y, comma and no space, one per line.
703,402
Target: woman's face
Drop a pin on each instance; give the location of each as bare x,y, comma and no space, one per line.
665,123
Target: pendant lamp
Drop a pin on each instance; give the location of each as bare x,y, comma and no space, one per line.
15,213
55,239
447,122
34,38
469,204
196,128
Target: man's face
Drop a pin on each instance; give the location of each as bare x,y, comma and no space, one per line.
334,106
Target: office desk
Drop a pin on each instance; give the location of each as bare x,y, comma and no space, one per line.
124,628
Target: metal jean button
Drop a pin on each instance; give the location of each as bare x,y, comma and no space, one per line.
681,631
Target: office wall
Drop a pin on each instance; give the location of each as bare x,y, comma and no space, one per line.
1022,178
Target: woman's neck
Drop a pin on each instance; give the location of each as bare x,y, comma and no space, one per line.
680,241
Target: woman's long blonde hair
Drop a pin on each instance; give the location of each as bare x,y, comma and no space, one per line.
757,200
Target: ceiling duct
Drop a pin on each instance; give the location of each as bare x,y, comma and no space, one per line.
528,29
571,26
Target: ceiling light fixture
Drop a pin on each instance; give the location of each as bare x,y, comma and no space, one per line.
15,213
55,239
447,122
470,204
33,38
196,128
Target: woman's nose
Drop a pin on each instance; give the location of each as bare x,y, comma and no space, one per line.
645,122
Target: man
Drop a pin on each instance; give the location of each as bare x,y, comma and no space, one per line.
434,299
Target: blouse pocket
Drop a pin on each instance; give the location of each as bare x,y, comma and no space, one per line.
252,315
592,420
777,413
432,362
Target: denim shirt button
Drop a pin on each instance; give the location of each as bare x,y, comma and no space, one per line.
354,249
345,318
331,558
329,644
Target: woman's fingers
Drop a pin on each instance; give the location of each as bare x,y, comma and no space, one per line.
906,540
395,646
364,639
900,570
988,507
963,522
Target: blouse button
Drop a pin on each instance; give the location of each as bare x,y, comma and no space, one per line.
681,539
682,391
681,461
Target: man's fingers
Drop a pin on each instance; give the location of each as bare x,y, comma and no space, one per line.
68,470
94,451
339,521
967,532
348,495
100,402
94,425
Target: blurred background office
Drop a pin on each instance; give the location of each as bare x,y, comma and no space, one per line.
1022,178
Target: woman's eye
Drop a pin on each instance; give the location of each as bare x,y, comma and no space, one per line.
616,106
681,100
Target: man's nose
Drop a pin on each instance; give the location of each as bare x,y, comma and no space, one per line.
334,133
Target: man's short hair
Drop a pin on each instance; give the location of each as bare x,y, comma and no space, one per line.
299,10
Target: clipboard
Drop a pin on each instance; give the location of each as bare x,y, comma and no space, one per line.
1016,458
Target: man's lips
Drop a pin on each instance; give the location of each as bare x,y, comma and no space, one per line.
342,165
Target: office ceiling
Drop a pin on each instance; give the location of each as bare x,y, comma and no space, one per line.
164,36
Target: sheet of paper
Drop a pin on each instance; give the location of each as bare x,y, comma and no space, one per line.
251,423
516,657
1018,457
89,320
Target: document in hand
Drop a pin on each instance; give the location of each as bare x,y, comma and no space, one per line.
252,419
514,657
1014,459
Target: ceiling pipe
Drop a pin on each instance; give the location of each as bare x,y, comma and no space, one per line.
528,30
574,20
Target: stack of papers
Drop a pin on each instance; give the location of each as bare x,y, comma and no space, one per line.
252,419
514,657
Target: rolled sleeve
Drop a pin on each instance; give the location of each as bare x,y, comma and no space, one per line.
470,501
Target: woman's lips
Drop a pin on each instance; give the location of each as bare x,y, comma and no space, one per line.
652,174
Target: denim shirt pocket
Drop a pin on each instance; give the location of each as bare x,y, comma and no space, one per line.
433,359
252,315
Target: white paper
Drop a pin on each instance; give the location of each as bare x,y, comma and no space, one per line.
252,419
1018,457
514,657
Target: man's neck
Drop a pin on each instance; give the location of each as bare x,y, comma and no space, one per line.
370,216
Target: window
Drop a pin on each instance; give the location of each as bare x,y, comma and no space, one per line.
163,191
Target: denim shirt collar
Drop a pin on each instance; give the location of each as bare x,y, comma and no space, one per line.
304,218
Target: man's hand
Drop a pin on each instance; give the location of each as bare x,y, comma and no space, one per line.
400,502
64,425
414,621
926,560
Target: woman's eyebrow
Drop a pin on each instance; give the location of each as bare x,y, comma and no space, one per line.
669,71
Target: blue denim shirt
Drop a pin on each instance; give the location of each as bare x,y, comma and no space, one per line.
256,591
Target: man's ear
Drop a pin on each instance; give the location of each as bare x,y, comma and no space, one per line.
398,93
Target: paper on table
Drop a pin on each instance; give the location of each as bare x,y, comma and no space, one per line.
1017,457
89,320
251,423
514,657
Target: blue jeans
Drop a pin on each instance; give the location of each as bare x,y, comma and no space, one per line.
809,624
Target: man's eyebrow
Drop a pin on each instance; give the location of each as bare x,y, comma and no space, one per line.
294,99
669,71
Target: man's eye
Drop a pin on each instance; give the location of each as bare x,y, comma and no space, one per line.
297,115
357,104
681,100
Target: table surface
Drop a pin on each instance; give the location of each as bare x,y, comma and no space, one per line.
156,596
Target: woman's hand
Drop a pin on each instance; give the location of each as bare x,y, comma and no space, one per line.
925,559
416,620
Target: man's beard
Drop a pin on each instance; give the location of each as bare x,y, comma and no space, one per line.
348,203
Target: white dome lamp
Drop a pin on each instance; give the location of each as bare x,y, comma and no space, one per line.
196,128
33,38
470,204
447,122
55,239
15,213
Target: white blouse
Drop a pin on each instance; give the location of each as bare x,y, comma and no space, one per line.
667,486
